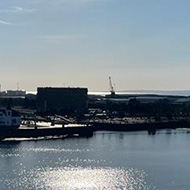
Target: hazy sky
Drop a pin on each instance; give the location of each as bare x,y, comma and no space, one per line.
141,44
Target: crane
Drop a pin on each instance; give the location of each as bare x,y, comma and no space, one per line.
111,87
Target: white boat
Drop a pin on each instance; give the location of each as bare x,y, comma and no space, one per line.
9,119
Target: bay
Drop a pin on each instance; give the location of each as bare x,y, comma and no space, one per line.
108,160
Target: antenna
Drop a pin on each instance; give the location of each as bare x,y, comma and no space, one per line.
111,87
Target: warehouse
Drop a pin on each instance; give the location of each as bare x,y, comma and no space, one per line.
62,100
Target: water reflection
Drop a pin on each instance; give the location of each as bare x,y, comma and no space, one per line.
9,149
71,178
94,178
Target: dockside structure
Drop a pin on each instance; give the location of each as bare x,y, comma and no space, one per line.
62,100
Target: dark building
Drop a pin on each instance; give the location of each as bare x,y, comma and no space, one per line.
62,100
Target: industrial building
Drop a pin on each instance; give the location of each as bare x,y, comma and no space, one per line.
62,100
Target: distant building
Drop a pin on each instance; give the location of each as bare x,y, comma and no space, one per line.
12,97
12,93
16,93
62,100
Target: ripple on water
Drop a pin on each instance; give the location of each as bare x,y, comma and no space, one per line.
55,150
72,178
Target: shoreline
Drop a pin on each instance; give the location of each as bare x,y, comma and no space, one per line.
87,130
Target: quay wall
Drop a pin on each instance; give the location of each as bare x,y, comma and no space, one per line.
139,126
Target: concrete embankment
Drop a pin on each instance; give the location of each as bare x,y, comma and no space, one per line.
138,126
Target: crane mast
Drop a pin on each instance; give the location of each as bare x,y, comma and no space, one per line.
111,87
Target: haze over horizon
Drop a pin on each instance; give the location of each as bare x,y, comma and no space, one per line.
140,44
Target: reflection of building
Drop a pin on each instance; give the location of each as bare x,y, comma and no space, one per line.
65,100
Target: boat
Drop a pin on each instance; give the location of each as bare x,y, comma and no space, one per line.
9,119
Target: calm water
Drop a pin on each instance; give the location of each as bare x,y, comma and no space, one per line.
108,160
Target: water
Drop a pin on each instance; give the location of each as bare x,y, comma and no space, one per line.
108,160
145,92
158,92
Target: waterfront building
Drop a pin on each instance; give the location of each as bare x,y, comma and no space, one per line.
62,100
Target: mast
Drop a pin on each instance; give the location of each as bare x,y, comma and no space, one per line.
111,87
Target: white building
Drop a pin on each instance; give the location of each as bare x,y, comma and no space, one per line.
9,119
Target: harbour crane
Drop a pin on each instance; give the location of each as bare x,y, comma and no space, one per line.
111,87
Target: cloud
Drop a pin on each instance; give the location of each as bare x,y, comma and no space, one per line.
16,9
4,22
20,9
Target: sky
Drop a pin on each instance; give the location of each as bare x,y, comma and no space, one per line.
141,44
